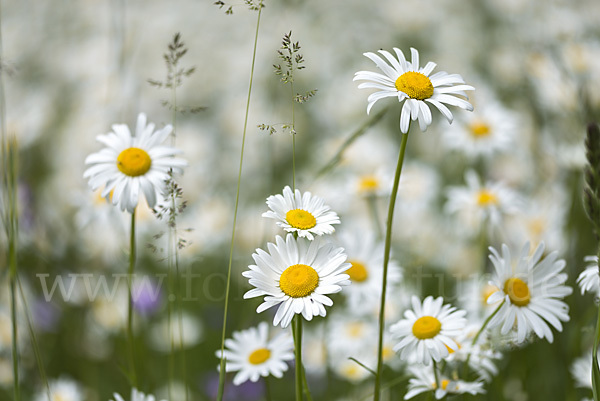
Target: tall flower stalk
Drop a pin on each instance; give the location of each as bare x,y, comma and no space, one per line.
257,8
591,196
386,261
416,88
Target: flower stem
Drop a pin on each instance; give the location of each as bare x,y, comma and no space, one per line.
483,326
237,198
130,337
436,375
386,260
298,353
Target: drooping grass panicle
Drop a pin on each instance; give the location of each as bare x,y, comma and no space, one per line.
253,5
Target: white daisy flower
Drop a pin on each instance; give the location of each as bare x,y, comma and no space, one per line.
62,389
302,213
424,381
129,164
252,354
135,396
477,203
426,332
581,370
491,129
413,85
297,275
365,255
589,279
531,289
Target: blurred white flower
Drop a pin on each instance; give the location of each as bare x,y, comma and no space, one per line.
589,279
424,380
135,396
489,130
477,203
413,85
62,389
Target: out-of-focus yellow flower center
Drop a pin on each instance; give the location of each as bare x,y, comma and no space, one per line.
486,198
426,327
450,350
134,162
357,272
415,85
479,129
300,219
387,352
355,329
99,200
444,384
259,356
298,281
517,291
368,184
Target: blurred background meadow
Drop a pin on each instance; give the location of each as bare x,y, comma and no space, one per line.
72,69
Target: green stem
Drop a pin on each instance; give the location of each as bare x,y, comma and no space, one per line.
237,198
476,338
35,346
436,375
298,353
386,260
132,255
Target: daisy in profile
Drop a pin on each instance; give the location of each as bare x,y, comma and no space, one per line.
414,86
297,275
252,354
479,202
531,289
305,214
426,333
424,380
589,280
129,164
135,396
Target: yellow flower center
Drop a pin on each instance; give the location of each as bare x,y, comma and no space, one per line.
58,397
298,281
487,291
517,291
368,184
479,129
486,198
415,85
134,162
444,384
426,327
300,219
259,356
357,272
450,350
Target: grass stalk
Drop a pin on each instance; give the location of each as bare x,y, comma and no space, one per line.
235,212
